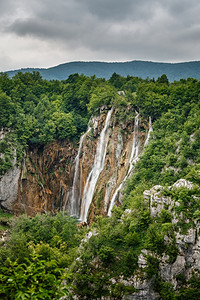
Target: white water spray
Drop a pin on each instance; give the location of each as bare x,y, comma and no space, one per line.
149,132
135,146
96,169
133,159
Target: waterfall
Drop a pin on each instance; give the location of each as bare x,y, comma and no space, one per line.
96,169
149,132
112,202
135,146
133,159
76,190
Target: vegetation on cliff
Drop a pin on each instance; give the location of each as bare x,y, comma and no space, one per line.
46,251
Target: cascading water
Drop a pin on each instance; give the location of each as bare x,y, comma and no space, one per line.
133,159
96,169
135,146
76,190
149,132
112,202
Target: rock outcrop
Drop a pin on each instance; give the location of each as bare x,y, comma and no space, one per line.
9,188
187,242
9,181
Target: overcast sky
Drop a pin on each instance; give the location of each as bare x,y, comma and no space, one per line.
44,33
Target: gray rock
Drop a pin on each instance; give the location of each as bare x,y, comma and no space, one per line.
9,188
183,183
144,290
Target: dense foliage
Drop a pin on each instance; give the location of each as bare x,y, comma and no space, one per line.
33,261
174,151
44,252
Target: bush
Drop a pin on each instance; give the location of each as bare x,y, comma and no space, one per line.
132,239
106,254
35,279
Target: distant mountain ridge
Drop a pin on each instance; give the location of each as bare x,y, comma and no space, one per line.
143,69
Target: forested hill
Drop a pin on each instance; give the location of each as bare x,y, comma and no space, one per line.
143,69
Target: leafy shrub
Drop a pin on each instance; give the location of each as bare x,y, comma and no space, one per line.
106,254
34,279
132,239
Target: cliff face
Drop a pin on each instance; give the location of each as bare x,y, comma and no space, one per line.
45,178
50,177
8,182
40,183
103,161
9,188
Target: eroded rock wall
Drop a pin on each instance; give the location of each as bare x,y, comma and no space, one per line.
9,188
46,176
9,181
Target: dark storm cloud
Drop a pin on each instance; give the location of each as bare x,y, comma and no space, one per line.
119,10
47,19
107,29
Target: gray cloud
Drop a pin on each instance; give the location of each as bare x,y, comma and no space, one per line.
6,6
101,29
117,10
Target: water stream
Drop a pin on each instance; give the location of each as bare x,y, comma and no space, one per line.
76,189
149,132
96,169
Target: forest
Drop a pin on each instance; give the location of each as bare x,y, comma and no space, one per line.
49,256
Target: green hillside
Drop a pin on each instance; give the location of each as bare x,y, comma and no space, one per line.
143,69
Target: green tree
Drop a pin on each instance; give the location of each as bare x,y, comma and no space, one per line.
6,110
101,95
163,79
65,127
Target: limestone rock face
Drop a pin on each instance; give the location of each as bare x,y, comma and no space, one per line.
144,290
9,181
158,201
9,188
183,183
46,176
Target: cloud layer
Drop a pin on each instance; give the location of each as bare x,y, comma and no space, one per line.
42,33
